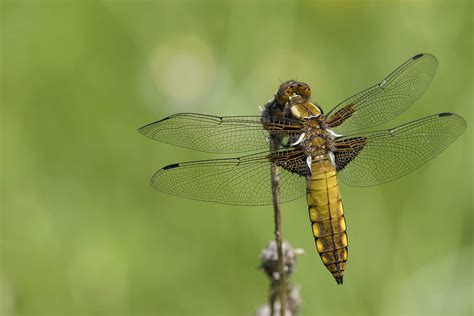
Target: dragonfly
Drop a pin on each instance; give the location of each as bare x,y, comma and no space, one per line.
312,151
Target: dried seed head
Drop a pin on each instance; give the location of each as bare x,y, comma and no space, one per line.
269,259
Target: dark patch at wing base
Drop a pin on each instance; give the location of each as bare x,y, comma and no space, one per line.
294,162
340,116
347,149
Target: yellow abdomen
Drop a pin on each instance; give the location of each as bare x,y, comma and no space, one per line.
327,217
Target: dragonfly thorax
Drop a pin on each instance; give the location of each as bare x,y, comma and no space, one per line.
317,141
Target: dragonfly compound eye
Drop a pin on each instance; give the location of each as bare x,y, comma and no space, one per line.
292,88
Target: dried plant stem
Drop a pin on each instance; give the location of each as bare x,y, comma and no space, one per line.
269,264
278,238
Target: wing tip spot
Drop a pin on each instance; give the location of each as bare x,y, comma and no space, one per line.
175,165
444,114
417,56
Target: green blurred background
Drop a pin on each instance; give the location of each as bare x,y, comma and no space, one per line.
82,232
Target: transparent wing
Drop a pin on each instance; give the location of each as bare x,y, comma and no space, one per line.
386,100
236,181
378,157
214,134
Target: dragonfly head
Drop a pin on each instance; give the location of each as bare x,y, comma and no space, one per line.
292,88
